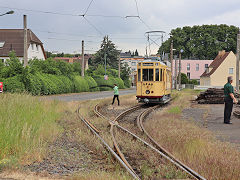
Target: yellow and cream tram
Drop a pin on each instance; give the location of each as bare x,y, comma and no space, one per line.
153,81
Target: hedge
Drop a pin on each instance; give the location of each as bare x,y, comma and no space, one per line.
33,84
91,83
13,84
127,83
80,84
107,85
119,83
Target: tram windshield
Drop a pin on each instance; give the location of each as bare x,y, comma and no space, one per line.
147,74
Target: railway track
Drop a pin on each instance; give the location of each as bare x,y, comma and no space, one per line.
153,144
95,131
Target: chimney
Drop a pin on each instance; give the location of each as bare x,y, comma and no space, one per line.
221,53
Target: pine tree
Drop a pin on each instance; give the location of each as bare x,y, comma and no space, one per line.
108,48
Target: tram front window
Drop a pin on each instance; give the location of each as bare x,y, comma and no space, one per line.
147,74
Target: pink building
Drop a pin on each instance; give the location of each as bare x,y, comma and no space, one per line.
192,68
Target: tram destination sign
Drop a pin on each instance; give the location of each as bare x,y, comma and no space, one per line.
147,64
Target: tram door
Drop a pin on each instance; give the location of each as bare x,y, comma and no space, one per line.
139,83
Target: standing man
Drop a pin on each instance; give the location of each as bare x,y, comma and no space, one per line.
116,94
228,99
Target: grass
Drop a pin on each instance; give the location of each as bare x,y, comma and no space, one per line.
26,125
197,147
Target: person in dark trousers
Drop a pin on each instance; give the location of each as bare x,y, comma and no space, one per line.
116,94
228,100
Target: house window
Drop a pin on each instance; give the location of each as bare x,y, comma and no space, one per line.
2,43
230,70
32,46
206,66
188,66
133,63
197,67
2,60
36,47
188,75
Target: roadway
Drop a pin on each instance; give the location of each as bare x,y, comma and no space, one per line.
89,95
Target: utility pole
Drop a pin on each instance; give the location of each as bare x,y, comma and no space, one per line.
179,72
25,55
82,73
171,59
175,74
180,67
105,62
119,66
237,63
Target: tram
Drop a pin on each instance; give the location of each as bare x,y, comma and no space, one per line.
153,81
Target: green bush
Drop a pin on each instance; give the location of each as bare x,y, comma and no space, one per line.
13,84
127,83
80,84
33,84
104,85
119,83
107,85
68,84
48,86
91,83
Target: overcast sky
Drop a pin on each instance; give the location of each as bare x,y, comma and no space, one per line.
127,33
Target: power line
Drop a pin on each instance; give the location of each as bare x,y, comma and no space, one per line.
88,8
70,34
39,11
93,26
137,7
71,40
105,16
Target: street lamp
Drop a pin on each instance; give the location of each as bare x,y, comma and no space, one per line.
9,12
179,75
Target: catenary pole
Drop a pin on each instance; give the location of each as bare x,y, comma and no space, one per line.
237,62
179,72
82,73
171,59
25,54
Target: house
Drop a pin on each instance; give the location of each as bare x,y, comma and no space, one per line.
72,60
13,40
192,68
216,74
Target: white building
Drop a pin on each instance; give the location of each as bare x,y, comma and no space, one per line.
13,40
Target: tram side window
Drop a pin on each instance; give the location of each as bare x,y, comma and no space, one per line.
157,74
161,75
139,74
147,74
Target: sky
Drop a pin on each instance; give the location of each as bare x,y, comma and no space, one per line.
61,28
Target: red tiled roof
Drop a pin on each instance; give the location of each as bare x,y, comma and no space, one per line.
14,41
215,64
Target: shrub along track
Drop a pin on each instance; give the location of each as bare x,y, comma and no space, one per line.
140,112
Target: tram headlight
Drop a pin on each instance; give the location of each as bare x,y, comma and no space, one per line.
147,92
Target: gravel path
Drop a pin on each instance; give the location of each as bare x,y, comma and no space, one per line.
211,117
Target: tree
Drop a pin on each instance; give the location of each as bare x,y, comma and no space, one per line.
136,53
184,79
125,74
108,48
202,42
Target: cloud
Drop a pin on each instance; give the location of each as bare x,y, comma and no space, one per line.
158,14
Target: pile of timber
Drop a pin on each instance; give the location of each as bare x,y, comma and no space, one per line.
212,96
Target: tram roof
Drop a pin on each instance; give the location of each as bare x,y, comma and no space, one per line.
151,61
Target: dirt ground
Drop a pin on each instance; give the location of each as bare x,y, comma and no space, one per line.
210,116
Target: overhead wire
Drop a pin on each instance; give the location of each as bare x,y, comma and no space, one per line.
88,8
